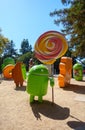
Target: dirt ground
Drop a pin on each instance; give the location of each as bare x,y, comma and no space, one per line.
66,113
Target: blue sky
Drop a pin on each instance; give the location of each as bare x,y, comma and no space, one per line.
27,19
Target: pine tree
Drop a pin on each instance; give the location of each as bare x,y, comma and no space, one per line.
73,20
25,47
9,50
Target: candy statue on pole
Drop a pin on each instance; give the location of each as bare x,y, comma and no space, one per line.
49,46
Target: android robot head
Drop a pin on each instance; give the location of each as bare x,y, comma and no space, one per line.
37,84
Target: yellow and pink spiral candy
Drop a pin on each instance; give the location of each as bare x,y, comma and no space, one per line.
50,46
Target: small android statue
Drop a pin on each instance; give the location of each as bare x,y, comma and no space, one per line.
31,63
78,71
37,83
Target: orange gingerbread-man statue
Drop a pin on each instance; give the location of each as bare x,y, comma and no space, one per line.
17,74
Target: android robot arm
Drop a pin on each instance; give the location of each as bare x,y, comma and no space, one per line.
51,81
52,85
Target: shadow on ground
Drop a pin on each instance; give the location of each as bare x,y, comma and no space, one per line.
21,88
76,125
76,88
49,110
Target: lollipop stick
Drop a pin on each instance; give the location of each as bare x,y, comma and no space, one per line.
52,95
52,87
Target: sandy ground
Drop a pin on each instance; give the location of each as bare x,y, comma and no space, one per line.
67,112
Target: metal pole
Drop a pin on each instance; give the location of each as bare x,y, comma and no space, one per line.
52,87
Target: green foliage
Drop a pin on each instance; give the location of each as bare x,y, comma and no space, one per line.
0,64
3,42
9,50
73,21
25,59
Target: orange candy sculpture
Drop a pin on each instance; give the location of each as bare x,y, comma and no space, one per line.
7,71
17,74
7,66
65,68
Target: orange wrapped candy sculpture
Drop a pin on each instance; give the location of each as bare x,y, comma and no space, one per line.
7,66
65,68
19,74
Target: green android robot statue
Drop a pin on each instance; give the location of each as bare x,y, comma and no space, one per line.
37,83
78,71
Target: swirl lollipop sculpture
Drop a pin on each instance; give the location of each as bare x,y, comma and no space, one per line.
50,46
